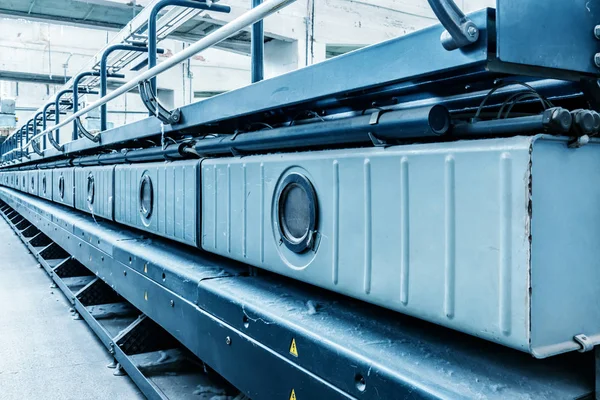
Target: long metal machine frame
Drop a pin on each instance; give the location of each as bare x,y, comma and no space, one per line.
313,344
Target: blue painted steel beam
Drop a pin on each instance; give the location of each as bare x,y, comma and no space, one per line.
257,48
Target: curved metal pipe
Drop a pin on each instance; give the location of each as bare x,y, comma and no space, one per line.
104,75
76,81
152,39
57,111
460,30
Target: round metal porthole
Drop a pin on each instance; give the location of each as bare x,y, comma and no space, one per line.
91,189
61,187
296,211
44,184
146,197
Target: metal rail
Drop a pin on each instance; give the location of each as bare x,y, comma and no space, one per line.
254,15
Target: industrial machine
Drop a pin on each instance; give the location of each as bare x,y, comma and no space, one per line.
444,179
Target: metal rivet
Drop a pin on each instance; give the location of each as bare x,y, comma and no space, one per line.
597,59
228,340
597,31
124,273
172,303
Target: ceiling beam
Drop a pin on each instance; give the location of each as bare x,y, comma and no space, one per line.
64,20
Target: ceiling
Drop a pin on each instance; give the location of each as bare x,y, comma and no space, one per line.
114,15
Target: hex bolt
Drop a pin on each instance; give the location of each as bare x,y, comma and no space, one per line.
172,303
228,340
597,31
597,60
472,31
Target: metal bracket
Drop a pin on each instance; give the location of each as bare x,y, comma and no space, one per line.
460,30
374,120
585,342
578,142
376,141
155,108
35,146
54,143
84,132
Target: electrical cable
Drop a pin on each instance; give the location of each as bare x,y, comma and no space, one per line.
500,86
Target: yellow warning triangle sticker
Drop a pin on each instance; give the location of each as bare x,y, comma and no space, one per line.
293,395
294,352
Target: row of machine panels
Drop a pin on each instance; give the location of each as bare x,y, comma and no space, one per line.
443,232
161,198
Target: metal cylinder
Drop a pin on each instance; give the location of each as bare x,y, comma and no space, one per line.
429,121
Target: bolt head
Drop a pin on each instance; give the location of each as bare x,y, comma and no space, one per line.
597,60
597,31
472,31
228,340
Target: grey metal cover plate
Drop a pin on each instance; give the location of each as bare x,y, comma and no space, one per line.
100,203
551,33
439,231
67,176
175,209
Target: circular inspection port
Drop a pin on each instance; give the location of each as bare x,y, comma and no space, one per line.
296,211
146,197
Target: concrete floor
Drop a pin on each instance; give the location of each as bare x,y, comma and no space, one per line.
44,352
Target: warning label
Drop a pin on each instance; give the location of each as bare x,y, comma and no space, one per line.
293,395
293,351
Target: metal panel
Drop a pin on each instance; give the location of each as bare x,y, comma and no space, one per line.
100,203
32,182
565,226
175,209
555,34
66,175
45,185
422,229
